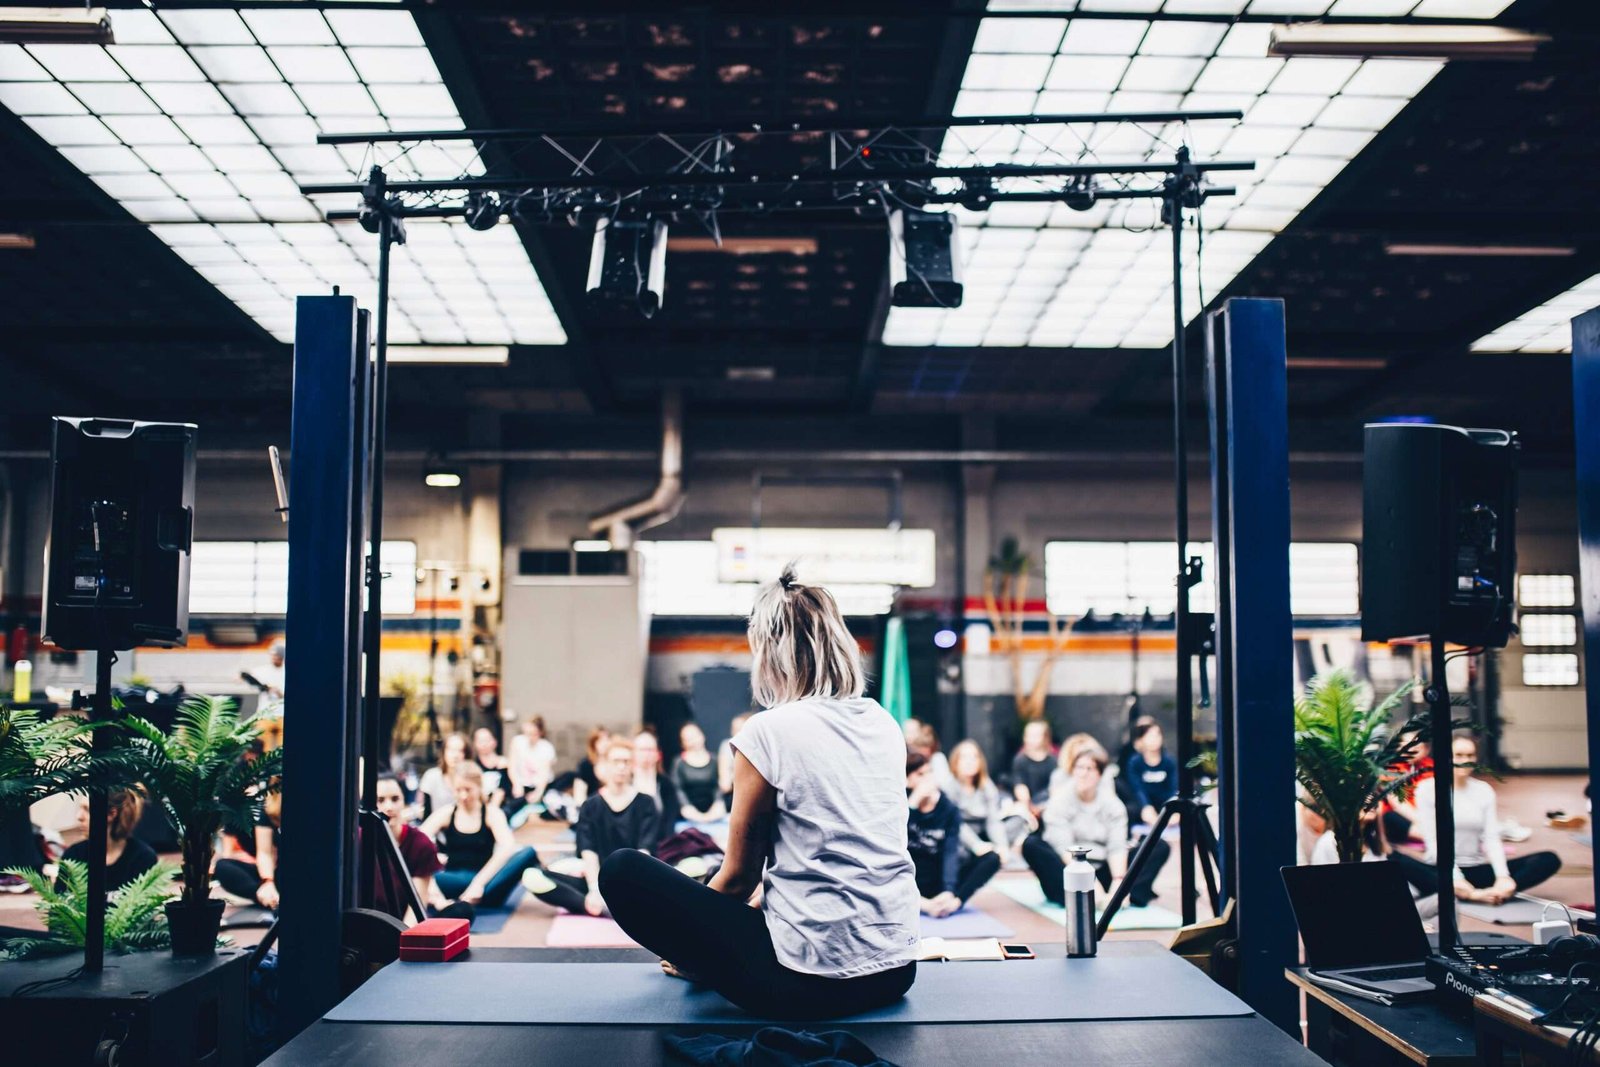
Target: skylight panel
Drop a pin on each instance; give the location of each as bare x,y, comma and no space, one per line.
211,116
1305,119
1548,327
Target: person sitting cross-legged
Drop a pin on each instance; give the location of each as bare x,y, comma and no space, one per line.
947,874
482,860
617,817
1082,815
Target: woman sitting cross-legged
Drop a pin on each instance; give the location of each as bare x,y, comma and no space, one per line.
482,861
947,873
1483,873
617,818
1082,815
990,820
819,797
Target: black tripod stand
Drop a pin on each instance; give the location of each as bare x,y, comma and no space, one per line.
1196,828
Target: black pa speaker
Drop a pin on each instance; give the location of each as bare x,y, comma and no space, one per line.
121,530
1438,548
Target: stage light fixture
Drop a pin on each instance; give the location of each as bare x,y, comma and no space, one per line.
924,259
55,25
18,241
482,211
441,477
628,263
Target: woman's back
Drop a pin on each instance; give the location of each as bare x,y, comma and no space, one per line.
841,896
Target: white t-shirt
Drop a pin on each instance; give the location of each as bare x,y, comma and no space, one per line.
532,762
1477,825
840,891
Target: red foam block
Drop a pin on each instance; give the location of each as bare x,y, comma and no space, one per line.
434,940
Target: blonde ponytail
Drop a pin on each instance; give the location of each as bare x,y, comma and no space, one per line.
801,645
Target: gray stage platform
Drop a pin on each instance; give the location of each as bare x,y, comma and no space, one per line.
1154,1041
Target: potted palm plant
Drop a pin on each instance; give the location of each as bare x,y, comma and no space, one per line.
1348,751
209,777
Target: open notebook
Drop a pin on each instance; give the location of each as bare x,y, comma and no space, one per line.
940,948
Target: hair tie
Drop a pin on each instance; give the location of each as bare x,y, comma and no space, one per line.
787,579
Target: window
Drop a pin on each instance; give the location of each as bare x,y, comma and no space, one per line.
680,578
1549,630
1547,591
1130,576
1550,668
252,578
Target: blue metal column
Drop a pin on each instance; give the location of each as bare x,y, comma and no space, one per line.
1260,650
319,775
1586,436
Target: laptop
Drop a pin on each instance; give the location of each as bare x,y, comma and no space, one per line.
1360,926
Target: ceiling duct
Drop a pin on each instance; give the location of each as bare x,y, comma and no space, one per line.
622,523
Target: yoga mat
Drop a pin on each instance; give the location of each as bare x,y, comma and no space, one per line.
245,918
1027,893
1518,911
586,931
968,922
493,920
637,994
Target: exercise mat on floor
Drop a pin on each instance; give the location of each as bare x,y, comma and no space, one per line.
587,931
248,917
493,920
1026,892
1518,911
1123,986
968,922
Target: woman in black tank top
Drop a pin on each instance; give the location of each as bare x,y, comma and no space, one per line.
482,865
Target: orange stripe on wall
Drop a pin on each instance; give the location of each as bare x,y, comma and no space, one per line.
718,644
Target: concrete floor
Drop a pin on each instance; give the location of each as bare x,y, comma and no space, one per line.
1525,798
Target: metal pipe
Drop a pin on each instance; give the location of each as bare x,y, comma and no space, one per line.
765,129
622,522
783,180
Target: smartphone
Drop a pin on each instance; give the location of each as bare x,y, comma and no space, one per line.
1017,952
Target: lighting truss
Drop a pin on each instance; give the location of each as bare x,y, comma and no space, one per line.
571,175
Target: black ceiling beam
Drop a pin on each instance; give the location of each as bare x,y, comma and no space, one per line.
815,10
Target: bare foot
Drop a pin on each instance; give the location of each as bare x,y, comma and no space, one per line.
671,971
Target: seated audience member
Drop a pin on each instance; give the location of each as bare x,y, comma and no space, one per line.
1032,767
1398,813
416,850
1316,844
923,738
19,847
256,879
1068,755
496,768
617,817
649,781
725,758
1151,774
1082,815
1483,874
989,820
570,789
531,766
946,876
694,772
437,788
126,856
482,860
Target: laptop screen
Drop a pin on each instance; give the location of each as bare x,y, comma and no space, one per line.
1355,914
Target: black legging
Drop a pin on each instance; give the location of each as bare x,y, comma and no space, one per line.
973,874
568,893
238,877
1047,866
1527,871
724,943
